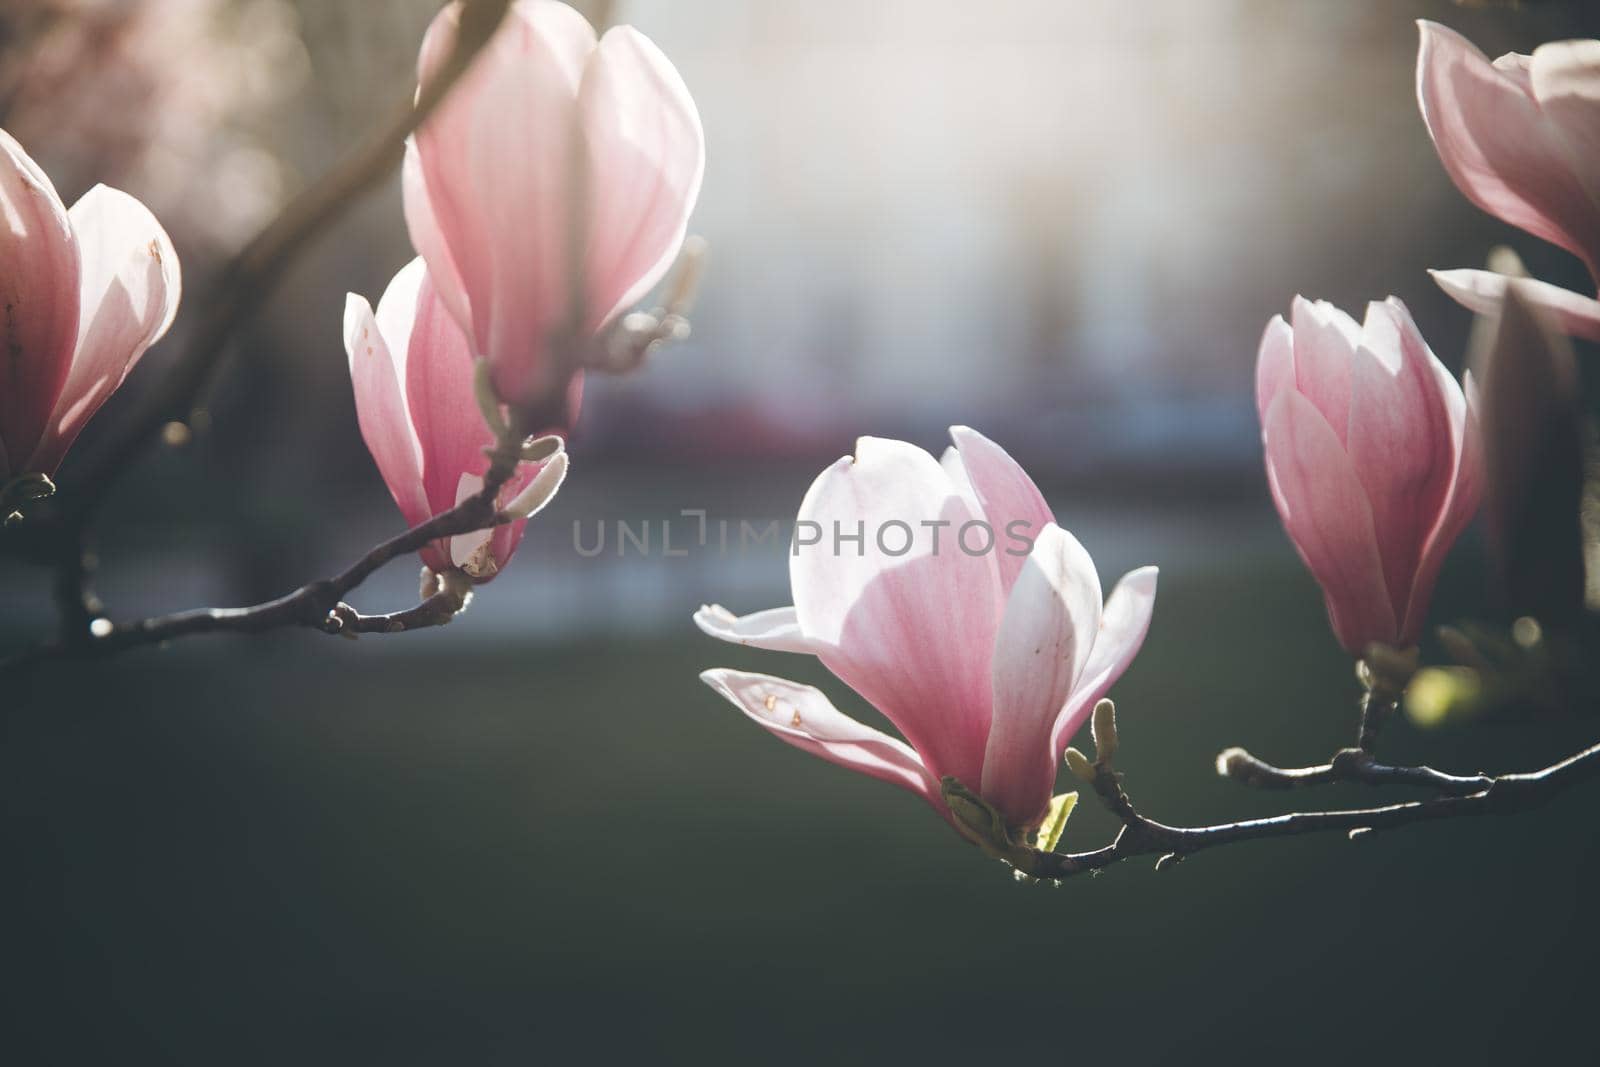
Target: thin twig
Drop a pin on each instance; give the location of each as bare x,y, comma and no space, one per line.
1141,836
1347,765
315,604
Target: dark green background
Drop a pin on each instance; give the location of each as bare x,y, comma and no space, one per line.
306,850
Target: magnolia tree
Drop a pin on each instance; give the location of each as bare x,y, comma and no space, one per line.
549,172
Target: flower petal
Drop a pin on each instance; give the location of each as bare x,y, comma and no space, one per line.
494,161
1501,150
1325,341
39,288
1274,363
1011,503
128,295
1565,78
776,629
906,616
1484,291
1123,625
1051,619
1403,439
380,406
439,394
1327,516
430,242
803,717
647,159
1466,494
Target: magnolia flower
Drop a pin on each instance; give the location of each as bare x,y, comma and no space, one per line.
1521,138
1372,456
487,180
412,373
963,613
86,291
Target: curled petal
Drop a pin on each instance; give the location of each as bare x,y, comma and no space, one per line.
1050,623
1484,292
803,717
1325,343
777,629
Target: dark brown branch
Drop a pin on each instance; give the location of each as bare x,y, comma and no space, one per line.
319,604
1347,765
1141,836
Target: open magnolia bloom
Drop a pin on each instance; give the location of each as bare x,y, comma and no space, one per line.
86,291
1520,138
488,177
962,612
412,373
1373,460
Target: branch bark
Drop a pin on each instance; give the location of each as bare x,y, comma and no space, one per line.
1141,836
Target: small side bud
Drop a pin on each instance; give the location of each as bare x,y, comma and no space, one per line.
541,490
1104,728
488,399
1461,648
1386,669
427,583
1080,766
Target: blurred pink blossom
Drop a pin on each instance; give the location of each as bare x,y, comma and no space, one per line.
1373,460
412,373
986,661
161,96
85,292
486,180
1521,138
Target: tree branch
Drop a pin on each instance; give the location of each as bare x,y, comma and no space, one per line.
1141,836
319,604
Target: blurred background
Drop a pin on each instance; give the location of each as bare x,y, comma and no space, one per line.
533,834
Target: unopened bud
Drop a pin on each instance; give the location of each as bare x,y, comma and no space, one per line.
488,399
1385,668
1104,728
427,583
539,491
1080,766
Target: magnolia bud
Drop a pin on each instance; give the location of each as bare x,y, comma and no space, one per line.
1104,728
1080,766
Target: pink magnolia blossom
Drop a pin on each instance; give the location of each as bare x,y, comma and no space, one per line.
1373,460
85,292
986,661
486,180
412,372
1521,138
